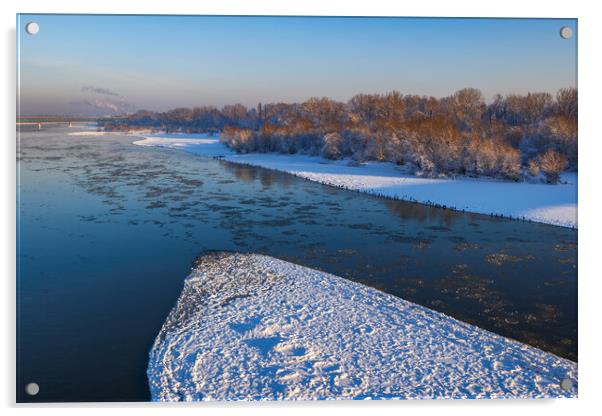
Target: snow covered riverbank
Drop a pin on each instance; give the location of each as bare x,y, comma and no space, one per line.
90,133
551,204
251,327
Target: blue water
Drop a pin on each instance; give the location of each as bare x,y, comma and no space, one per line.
107,231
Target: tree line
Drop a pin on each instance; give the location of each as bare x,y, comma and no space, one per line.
515,137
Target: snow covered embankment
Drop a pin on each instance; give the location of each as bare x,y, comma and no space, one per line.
251,327
551,204
90,133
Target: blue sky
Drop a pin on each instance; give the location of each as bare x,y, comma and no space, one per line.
93,65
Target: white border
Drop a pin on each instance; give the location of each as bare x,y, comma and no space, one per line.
590,273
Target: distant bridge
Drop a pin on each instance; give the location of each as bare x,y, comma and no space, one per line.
41,124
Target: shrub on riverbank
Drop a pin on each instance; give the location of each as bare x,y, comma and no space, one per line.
457,135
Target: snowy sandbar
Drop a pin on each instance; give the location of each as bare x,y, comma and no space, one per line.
251,327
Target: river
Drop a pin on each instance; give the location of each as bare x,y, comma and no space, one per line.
107,232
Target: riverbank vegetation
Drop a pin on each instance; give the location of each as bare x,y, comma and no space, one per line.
515,137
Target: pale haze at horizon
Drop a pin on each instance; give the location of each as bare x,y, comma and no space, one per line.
99,65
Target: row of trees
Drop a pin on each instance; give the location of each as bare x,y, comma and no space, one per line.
513,137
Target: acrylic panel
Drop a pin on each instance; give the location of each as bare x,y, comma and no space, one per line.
295,208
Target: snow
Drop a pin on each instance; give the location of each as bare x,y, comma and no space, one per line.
551,204
89,133
200,144
252,327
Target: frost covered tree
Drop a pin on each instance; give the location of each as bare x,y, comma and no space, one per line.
234,115
467,106
332,146
513,136
567,103
551,164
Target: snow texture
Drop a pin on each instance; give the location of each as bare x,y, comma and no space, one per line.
90,133
551,204
252,327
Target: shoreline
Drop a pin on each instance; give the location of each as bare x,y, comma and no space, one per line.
522,201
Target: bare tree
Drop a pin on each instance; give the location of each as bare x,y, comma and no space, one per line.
552,164
514,135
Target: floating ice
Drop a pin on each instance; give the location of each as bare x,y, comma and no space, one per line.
89,133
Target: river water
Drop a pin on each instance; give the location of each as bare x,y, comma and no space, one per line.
107,232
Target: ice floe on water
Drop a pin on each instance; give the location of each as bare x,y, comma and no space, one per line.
252,327
551,204
89,133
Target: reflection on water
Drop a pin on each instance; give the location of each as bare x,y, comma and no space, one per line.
108,231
